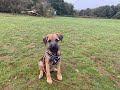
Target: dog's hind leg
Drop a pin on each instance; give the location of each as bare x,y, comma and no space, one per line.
41,67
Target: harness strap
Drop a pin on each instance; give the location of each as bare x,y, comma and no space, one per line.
55,58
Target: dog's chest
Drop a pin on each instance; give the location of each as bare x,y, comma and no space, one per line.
51,62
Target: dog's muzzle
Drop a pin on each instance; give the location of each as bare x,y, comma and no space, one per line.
53,47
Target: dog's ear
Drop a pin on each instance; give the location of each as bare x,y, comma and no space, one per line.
45,40
60,36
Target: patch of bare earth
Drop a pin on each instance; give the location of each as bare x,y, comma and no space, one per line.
74,64
33,55
63,66
12,64
88,79
4,56
103,71
8,87
30,83
111,76
31,46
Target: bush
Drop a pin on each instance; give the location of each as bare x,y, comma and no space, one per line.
13,6
37,7
117,15
43,8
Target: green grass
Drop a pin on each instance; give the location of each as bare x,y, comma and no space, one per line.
90,52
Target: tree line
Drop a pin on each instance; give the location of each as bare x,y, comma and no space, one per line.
37,7
103,11
56,7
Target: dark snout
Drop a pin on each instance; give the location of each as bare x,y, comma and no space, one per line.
53,47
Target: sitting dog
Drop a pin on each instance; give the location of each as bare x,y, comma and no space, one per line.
51,57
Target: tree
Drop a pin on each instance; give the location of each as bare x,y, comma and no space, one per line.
103,11
117,15
68,9
4,6
58,5
88,12
38,7
111,13
76,13
100,12
82,13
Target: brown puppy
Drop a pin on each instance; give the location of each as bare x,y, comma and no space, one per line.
51,57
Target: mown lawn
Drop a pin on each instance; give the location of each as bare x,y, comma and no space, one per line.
90,52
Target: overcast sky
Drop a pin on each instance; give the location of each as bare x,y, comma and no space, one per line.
83,4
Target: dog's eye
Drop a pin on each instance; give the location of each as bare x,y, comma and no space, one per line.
49,41
56,40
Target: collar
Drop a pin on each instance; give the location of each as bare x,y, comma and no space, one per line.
55,58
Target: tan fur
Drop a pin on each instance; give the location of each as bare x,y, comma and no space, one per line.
45,64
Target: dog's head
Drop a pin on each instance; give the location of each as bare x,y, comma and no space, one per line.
52,41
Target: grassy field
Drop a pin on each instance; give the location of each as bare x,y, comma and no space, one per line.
90,52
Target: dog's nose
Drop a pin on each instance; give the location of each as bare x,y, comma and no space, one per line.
53,47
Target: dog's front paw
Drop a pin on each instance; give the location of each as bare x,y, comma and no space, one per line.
59,77
49,81
40,76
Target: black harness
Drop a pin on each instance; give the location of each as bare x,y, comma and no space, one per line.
55,58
